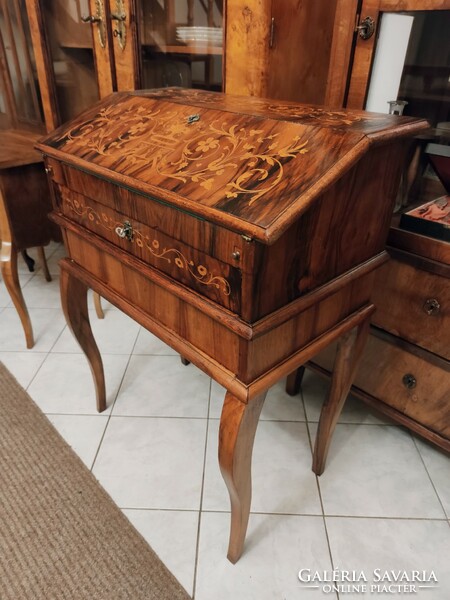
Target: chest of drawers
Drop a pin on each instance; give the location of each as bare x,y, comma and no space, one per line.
405,368
244,233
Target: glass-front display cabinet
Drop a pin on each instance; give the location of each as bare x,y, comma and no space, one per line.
404,68
86,49
182,43
20,105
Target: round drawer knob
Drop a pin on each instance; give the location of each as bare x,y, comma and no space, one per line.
432,306
409,381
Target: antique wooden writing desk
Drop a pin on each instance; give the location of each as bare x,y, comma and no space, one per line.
244,233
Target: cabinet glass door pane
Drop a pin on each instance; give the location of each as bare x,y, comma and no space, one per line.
182,43
71,47
421,88
19,98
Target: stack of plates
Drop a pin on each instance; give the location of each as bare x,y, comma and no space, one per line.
211,36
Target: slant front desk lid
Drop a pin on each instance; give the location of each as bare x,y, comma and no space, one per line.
248,164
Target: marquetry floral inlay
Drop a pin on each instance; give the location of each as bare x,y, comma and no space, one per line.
170,255
217,156
306,114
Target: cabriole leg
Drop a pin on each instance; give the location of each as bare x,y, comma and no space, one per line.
11,278
236,436
294,381
75,307
349,352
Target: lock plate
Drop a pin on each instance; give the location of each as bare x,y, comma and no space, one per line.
120,29
366,28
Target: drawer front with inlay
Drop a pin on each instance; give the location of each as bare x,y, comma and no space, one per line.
210,277
215,241
415,305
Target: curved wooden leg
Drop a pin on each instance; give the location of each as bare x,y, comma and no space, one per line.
43,261
98,305
75,307
10,276
294,381
348,355
28,260
236,436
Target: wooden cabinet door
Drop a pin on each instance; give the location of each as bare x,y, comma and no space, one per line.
71,41
286,49
365,48
123,27
300,40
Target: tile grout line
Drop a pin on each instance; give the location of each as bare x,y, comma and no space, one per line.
47,354
113,403
430,478
318,487
197,546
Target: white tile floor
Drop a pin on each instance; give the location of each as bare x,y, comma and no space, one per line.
382,503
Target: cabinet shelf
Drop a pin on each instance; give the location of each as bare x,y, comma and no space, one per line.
196,49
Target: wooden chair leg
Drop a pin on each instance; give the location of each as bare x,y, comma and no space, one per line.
294,381
236,436
75,307
43,261
98,305
28,260
348,355
8,258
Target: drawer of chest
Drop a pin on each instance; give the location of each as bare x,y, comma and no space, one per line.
414,305
416,386
193,268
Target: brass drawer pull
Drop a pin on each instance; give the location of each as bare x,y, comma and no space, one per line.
409,381
126,231
432,307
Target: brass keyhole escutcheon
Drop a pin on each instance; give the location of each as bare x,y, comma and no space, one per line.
125,231
409,381
120,31
432,307
193,119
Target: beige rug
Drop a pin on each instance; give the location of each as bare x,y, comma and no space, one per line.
61,535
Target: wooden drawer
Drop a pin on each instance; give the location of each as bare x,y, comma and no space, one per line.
415,305
213,278
413,385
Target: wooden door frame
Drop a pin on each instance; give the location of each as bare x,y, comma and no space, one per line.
43,58
127,61
364,53
44,62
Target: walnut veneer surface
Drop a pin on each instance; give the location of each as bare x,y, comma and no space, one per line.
240,231
405,368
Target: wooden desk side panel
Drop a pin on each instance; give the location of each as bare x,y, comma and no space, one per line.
348,225
267,350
